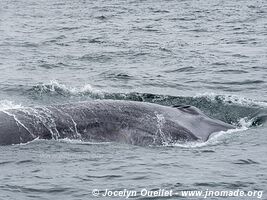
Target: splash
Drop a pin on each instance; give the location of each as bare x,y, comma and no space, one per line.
79,141
18,122
217,137
232,99
160,123
56,88
6,105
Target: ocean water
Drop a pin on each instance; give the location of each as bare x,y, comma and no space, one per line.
211,54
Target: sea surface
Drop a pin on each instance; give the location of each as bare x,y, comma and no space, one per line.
211,54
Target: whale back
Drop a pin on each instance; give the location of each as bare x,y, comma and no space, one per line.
11,132
130,122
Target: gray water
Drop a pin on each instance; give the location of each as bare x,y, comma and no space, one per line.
210,54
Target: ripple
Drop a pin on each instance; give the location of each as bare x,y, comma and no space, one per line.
117,76
97,40
49,66
234,185
101,17
160,11
184,19
208,151
5,162
240,55
220,63
101,58
183,69
245,82
231,71
17,188
245,162
25,161
104,176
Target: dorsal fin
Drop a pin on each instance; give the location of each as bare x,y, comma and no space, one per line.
188,109
181,106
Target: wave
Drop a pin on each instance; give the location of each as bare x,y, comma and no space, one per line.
228,108
242,112
54,88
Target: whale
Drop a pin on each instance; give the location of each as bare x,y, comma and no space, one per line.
121,121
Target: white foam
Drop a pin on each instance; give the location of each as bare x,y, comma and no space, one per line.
78,141
6,105
29,142
233,99
215,138
85,89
